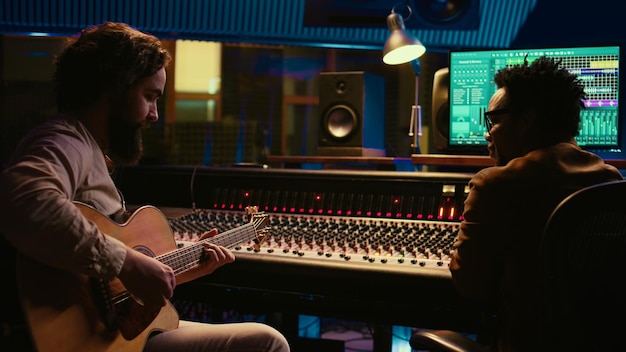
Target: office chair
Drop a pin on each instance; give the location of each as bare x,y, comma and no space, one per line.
583,264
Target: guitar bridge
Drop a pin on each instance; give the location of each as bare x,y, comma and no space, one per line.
102,299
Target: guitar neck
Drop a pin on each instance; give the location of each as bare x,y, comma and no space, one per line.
187,257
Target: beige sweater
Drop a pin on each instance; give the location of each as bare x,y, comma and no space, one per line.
56,164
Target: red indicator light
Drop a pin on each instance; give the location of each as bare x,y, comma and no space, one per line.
246,194
318,197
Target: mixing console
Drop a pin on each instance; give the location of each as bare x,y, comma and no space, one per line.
361,245
406,243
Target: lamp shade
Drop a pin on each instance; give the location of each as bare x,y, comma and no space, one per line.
400,47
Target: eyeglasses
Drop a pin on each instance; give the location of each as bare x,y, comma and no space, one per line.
488,122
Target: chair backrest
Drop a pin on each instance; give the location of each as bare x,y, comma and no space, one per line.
583,266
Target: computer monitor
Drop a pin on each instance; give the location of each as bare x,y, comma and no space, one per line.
471,86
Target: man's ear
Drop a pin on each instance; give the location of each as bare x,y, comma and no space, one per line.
528,120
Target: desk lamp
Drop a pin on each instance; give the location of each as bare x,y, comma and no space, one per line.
401,48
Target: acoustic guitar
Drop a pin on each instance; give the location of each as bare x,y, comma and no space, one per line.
68,312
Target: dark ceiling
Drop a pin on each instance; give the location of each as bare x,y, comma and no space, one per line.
439,24
331,23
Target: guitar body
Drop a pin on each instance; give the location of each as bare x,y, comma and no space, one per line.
66,313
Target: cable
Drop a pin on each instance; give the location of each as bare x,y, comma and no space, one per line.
193,176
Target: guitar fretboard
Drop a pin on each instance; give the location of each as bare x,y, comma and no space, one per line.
187,257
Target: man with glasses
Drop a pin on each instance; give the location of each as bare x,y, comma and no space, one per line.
532,120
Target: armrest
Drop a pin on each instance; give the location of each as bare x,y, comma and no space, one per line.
444,341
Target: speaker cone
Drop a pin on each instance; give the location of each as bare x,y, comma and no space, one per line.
443,11
341,121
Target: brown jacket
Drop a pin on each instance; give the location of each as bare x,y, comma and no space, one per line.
505,212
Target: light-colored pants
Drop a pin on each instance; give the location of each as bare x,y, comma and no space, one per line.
221,337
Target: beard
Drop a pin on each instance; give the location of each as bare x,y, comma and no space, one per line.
126,144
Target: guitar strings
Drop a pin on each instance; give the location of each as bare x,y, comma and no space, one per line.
179,261
174,259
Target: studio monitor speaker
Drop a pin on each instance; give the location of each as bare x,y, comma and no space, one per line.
351,106
441,108
444,15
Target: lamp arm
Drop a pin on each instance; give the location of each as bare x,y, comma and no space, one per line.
417,66
415,125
